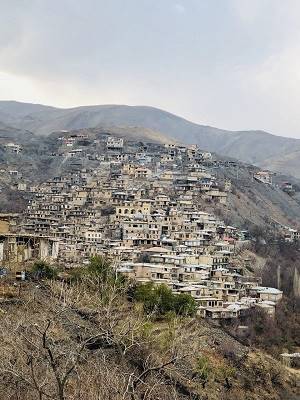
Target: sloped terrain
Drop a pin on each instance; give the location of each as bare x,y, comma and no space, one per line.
256,147
257,203
287,162
61,345
250,201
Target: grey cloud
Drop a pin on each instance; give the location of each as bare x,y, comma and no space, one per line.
206,60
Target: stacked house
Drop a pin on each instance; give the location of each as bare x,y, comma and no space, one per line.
145,205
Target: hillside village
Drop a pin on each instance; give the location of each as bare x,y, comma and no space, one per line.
143,205
149,200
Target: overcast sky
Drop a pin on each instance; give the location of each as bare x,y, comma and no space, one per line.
233,64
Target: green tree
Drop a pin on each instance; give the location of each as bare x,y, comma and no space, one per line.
165,299
184,304
101,268
161,300
101,275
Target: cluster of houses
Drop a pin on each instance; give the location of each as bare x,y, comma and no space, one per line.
267,178
145,206
13,147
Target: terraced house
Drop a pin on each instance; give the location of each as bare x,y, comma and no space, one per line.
147,206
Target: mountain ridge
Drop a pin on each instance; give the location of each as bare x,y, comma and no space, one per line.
252,146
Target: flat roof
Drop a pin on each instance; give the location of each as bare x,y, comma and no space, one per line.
270,290
29,235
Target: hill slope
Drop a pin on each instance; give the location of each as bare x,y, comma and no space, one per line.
116,353
42,158
257,147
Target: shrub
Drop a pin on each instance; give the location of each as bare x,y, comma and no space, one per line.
203,369
161,300
42,270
